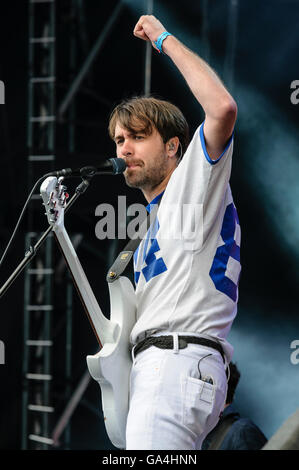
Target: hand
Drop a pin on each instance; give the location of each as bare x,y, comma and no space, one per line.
148,28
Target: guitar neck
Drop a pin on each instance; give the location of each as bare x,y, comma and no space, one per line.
104,329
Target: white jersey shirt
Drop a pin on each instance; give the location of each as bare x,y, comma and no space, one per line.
187,266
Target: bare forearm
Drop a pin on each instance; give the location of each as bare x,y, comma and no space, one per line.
219,107
202,80
204,83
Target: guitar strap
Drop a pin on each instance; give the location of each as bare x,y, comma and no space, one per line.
126,254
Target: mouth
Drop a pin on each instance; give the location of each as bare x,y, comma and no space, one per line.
132,165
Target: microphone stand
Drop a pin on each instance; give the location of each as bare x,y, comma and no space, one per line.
29,255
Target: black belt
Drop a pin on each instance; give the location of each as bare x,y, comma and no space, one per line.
166,342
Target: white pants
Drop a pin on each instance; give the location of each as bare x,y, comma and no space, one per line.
171,407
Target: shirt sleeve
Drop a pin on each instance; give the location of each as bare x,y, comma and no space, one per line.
199,184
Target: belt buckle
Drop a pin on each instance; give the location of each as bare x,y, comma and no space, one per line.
182,343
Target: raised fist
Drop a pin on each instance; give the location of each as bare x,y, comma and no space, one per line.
148,28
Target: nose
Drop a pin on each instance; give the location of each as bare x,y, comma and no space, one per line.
126,149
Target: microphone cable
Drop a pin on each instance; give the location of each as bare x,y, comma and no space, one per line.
20,218
117,164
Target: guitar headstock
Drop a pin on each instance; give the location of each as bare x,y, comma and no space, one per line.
54,197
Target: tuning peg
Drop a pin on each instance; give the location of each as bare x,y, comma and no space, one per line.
50,197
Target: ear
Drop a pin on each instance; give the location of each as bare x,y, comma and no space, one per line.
172,146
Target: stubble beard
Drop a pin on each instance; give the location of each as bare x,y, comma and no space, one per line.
147,178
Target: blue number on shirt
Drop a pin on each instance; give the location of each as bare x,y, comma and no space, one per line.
230,249
153,266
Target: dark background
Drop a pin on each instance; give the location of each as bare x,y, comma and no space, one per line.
253,46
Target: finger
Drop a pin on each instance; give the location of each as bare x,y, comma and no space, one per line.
140,33
138,25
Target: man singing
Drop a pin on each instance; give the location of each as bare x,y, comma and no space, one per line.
187,277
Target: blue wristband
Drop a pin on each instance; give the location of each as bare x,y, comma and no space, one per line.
160,40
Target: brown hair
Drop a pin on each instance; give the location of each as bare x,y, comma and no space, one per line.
142,113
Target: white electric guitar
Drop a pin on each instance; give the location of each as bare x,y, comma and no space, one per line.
111,366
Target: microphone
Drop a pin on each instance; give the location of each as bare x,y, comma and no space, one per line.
113,166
